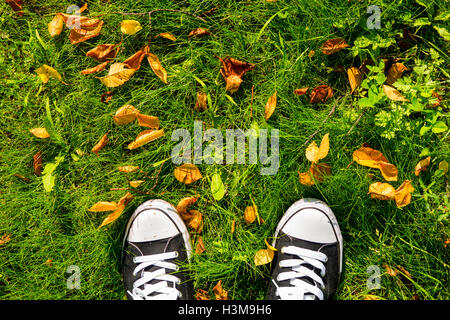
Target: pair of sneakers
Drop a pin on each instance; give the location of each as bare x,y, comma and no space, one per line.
307,264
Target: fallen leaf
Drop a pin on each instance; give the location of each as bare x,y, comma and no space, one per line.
314,153
89,30
446,242
233,226
395,72
202,295
311,53
355,78
22,177
4,239
16,5
46,72
103,52
128,169
119,73
250,214
183,204
40,133
201,103
145,137
196,222
405,272
219,292
102,142
422,165
125,115
167,35
125,199
49,262
95,69
130,27
388,171
333,45
371,297
217,187
301,91
198,32
393,93
106,97
187,173
37,163
270,106
148,121
390,271
403,194
136,183
372,158
316,173
134,62
381,191
103,206
232,71
113,216
264,256
200,247
156,66
321,94
56,26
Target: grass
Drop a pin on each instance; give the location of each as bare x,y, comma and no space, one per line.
277,38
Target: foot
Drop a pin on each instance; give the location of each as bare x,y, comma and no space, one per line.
156,242
308,261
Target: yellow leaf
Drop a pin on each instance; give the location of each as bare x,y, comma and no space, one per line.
103,206
263,256
393,93
317,172
196,221
46,72
443,165
40,133
113,216
148,121
354,77
368,157
125,114
200,247
145,137
102,142
156,66
388,170
183,204
422,165
128,169
403,194
333,45
167,35
314,153
118,75
125,199
250,214
381,191
5,238
136,183
187,173
130,27
270,106
56,26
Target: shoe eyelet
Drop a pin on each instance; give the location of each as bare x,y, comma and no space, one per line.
176,254
180,295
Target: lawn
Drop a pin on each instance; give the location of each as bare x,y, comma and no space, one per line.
50,231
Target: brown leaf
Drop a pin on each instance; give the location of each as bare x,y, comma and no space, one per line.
381,191
333,45
103,206
270,106
354,77
301,91
403,194
37,163
119,73
200,247
95,69
103,52
125,114
22,177
102,142
250,214
145,137
148,121
16,5
198,32
196,222
321,94
316,173
187,173
4,239
156,66
232,71
390,271
56,26
219,292
183,204
202,295
134,62
106,97
395,72
422,165
128,169
89,31
201,103
393,93
40,133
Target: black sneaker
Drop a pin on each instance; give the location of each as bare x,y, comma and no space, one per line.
308,261
156,242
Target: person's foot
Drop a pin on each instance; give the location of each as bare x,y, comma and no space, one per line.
156,241
308,261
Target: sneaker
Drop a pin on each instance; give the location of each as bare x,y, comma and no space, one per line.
156,242
308,261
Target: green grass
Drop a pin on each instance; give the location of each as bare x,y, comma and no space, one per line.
58,226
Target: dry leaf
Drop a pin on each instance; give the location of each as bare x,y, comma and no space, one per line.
183,204
199,32
125,114
103,206
301,91
371,297
49,262
422,165
56,26
201,103
167,35
134,62
103,52
381,191
128,169
393,93
148,121
37,163
219,292
314,153
355,78
106,97
95,69
390,271
316,173
125,199
102,142
270,106
113,216
187,173
202,295
21,177
46,72
395,72
40,133
250,214
156,66
16,5
196,222
311,54
372,158
233,225
136,183
333,45
403,194
89,29
264,256
388,170
130,27
119,73
200,247
321,94
145,137
4,239
232,71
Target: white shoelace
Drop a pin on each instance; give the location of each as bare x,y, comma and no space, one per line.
165,292
300,289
